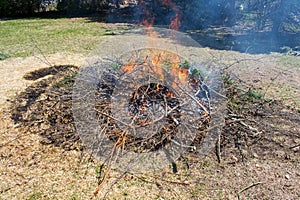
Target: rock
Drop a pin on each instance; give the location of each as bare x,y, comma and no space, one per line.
287,176
255,155
280,154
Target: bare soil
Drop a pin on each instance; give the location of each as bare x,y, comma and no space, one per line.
259,155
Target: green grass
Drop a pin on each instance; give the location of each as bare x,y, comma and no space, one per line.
68,80
35,196
289,61
25,37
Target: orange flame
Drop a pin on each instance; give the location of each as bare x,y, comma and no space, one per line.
157,58
128,67
162,63
180,74
175,22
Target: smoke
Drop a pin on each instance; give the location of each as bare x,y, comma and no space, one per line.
256,26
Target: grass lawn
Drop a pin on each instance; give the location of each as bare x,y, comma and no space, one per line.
25,37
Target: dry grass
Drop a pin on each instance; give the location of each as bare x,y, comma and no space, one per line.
32,170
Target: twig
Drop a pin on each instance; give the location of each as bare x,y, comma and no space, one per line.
295,146
101,183
109,116
248,126
143,177
161,117
248,187
218,93
242,60
271,83
218,148
115,182
193,98
182,145
46,61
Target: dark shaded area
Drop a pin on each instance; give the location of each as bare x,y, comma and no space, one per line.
25,8
251,42
40,73
44,108
10,8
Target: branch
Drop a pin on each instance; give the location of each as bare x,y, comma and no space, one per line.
248,187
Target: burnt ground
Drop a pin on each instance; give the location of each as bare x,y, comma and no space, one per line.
258,156
254,126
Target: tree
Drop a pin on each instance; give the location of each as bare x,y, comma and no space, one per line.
19,7
275,15
286,16
82,6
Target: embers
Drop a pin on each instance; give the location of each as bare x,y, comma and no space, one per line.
154,97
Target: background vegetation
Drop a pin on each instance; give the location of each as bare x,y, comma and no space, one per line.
275,15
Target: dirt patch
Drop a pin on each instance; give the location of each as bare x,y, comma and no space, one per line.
259,149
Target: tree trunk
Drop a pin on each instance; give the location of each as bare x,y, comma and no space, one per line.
278,16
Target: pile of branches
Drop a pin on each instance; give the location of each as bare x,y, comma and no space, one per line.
45,108
253,125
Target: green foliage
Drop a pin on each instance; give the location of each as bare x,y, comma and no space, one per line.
82,6
68,80
184,64
74,196
206,164
27,8
201,13
197,72
3,56
255,95
116,66
275,15
18,7
35,196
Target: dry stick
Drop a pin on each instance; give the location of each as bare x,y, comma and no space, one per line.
242,60
295,146
248,126
101,183
161,117
193,98
116,148
271,83
218,148
248,187
119,178
16,138
109,116
144,178
46,61
219,94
